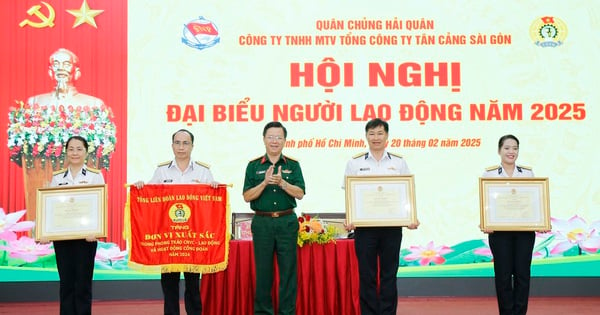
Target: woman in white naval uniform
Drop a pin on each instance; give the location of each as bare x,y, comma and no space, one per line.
75,258
512,250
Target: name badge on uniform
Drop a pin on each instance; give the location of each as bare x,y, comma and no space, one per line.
261,172
286,171
167,181
61,184
365,169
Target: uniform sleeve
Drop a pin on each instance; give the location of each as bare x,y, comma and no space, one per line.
404,169
207,176
249,178
299,178
54,182
348,172
528,173
99,179
157,178
490,174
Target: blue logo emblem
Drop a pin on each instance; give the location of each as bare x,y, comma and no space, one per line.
200,33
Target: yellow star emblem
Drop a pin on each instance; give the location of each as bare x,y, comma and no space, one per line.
84,15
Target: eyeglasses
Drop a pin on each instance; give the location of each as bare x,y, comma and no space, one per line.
276,138
183,143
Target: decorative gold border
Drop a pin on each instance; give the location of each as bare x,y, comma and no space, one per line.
408,200
44,210
488,192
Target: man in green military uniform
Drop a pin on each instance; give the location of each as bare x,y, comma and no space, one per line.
272,184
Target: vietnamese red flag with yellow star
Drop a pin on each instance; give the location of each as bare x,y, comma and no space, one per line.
179,228
94,34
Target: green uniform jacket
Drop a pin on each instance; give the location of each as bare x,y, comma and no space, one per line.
273,198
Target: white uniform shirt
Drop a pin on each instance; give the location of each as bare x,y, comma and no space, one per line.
365,164
195,173
86,176
498,171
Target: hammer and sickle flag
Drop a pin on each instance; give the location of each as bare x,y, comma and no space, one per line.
178,228
44,21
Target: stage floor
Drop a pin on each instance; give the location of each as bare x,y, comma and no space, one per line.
406,306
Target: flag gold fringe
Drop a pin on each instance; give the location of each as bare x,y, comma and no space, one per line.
177,267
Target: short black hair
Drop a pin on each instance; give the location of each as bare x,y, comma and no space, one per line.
374,123
275,124
80,138
504,138
182,130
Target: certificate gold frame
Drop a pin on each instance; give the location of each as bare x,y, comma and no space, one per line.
515,204
74,212
380,200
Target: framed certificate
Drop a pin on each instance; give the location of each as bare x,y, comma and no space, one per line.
380,200
73,212
240,225
514,204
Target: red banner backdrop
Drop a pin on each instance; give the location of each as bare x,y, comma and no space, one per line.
178,227
95,31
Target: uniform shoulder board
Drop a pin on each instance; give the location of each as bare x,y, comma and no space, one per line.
93,170
59,171
291,158
359,155
396,155
525,167
164,163
256,158
491,168
202,164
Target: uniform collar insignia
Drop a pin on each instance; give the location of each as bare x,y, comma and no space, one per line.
265,159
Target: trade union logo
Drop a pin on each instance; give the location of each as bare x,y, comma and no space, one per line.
200,33
180,213
548,31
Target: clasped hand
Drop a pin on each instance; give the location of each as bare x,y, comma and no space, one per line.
272,178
